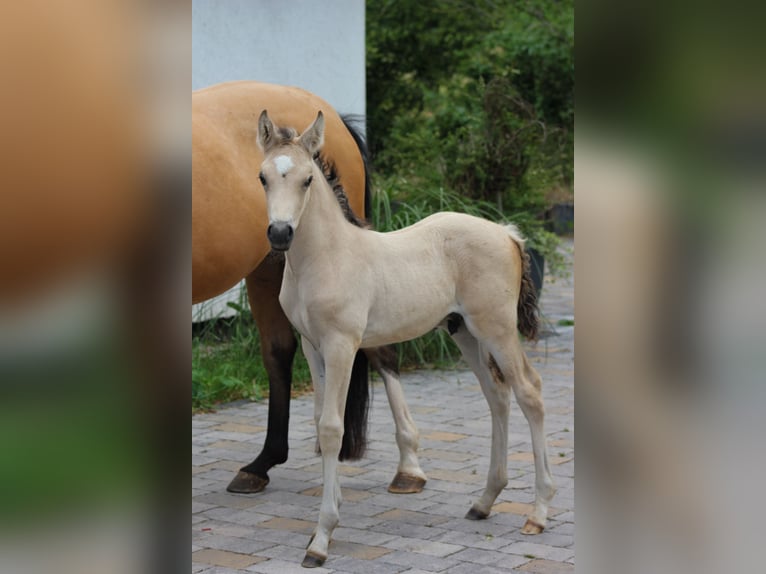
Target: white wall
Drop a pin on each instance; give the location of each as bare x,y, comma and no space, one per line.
317,45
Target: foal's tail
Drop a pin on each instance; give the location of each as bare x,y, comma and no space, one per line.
355,124
357,406
527,310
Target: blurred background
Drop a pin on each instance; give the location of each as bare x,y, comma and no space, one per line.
669,184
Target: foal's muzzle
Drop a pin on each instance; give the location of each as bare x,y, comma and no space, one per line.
280,235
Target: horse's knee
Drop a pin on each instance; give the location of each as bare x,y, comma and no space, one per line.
330,434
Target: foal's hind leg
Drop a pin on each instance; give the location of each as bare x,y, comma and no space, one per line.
278,346
497,393
526,385
409,478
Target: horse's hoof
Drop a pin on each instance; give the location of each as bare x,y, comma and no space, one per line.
312,560
532,527
406,484
475,514
247,483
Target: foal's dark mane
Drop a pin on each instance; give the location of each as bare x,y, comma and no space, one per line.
332,178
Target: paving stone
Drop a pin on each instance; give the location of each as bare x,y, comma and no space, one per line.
487,557
547,567
362,535
232,544
469,568
539,551
358,566
359,551
442,436
409,530
275,566
417,560
411,517
239,428
228,500
348,494
289,524
429,547
224,558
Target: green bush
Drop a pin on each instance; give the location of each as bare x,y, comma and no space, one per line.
474,96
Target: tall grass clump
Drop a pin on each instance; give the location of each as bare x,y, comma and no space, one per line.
227,364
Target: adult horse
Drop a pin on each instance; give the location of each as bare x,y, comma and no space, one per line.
229,224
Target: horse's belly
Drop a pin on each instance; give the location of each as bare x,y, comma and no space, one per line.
397,322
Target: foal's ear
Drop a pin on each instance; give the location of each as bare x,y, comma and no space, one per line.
266,131
313,138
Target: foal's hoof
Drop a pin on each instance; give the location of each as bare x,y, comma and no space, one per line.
312,560
532,527
475,514
247,483
406,484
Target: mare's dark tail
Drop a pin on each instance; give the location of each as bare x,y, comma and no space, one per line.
357,406
358,400
354,124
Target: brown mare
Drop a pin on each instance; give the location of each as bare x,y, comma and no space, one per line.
229,242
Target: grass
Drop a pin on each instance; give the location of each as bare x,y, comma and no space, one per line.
227,364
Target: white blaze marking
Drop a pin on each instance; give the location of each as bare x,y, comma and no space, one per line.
283,164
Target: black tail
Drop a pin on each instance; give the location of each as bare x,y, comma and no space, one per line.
527,310
358,400
354,124
357,406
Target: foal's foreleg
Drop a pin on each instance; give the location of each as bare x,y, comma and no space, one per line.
497,393
409,478
316,366
338,360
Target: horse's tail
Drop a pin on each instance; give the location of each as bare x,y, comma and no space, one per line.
527,309
355,124
357,406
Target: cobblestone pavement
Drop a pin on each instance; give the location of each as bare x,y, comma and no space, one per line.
382,533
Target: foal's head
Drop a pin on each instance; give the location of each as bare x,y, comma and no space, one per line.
286,175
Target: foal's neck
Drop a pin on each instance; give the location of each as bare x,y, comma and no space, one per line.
323,228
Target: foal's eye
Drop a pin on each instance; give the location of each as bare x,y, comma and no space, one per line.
308,181
262,179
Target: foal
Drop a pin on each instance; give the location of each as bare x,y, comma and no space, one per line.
346,288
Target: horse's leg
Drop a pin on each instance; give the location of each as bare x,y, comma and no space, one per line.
497,392
278,346
409,478
526,385
338,360
316,366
